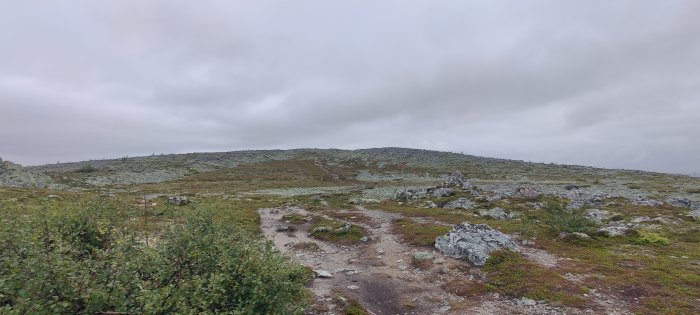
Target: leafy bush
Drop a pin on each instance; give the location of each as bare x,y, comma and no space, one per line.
87,168
87,260
651,238
561,219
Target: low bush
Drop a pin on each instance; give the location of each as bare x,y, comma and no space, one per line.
89,261
561,219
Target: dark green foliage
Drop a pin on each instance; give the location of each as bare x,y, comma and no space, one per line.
87,168
561,219
88,260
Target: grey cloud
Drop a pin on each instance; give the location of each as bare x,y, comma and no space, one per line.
589,82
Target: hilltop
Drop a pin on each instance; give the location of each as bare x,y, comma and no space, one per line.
385,230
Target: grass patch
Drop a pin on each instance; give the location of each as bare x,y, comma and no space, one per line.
419,234
335,231
651,238
511,274
306,246
294,218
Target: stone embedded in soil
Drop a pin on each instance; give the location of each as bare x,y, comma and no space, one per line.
474,242
322,274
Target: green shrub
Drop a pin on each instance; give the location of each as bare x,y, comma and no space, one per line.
650,238
561,219
87,168
88,260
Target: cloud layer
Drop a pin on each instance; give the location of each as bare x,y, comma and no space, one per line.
582,82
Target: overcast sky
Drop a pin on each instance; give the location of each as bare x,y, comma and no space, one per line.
602,83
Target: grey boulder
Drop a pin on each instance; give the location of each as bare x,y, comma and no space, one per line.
474,242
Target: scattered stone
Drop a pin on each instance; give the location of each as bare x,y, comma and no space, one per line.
353,288
578,235
54,197
413,194
444,309
695,214
499,214
461,203
526,192
643,201
679,202
179,200
474,242
321,229
322,274
283,228
571,187
527,302
443,192
364,239
439,260
640,219
344,228
597,215
430,204
422,256
616,229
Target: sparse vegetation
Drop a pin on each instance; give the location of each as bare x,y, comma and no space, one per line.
418,234
87,168
561,219
335,231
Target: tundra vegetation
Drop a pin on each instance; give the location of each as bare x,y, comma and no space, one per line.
101,237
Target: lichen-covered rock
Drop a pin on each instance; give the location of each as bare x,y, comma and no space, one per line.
413,194
474,242
423,256
461,203
597,215
457,179
617,229
526,192
499,214
642,201
679,202
443,192
179,200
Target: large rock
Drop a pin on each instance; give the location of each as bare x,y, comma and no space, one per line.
474,242
526,192
458,180
461,203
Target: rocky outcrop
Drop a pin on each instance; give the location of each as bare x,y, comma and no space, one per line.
461,203
526,192
474,242
14,175
458,180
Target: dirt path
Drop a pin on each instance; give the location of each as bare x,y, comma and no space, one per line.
379,273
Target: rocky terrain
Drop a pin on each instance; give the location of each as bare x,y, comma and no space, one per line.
404,231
